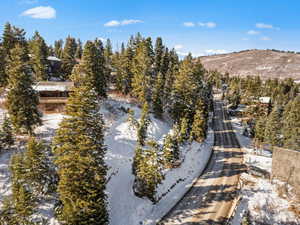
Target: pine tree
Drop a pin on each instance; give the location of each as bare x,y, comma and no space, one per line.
35,162
157,97
291,124
124,72
22,100
79,50
199,126
20,206
142,71
39,51
184,131
8,39
143,125
103,70
79,151
3,75
108,53
259,130
187,89
58,48
170,74
68,57
158,57
273,128
148,172
92,67
6,136
170,149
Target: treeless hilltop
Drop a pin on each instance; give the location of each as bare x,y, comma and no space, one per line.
265,63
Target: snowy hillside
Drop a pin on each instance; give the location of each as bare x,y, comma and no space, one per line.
264,199
120,138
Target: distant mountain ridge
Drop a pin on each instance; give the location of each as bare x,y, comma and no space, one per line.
265,63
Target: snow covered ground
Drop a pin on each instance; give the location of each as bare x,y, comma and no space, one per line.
262,198
124,207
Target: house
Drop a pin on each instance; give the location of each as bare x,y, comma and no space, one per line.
53,96
265,100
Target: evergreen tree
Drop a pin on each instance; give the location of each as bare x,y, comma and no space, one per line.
170,149
6,136
291,124
142,71
35,162
91,67
20,206
259,130
199,127
143,125
58,48
273,128
8,39
124,72
102,69
39,51
157,97
108,53
187,89
79,50
79,151
22,100
184,131
170,74
3,74
158,57
68,57
148,172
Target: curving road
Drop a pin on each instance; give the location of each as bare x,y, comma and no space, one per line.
211,198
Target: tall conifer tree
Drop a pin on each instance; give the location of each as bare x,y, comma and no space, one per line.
79,150
22,100
39,52
68,57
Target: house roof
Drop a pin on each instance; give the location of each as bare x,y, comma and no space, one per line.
53,58
265,100
53,86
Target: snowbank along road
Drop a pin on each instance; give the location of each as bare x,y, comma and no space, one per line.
212,197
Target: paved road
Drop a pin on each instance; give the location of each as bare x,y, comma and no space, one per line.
210,200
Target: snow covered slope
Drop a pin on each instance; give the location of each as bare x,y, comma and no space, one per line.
124,207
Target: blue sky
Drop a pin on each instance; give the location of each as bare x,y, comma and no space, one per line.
197,26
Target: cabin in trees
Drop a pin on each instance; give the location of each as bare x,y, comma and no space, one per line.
53,95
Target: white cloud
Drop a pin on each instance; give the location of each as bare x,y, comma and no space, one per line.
253,32
40,12
177,47
208,24
265,38
112,23
116,23
127,22
215,51
188,24
264,26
